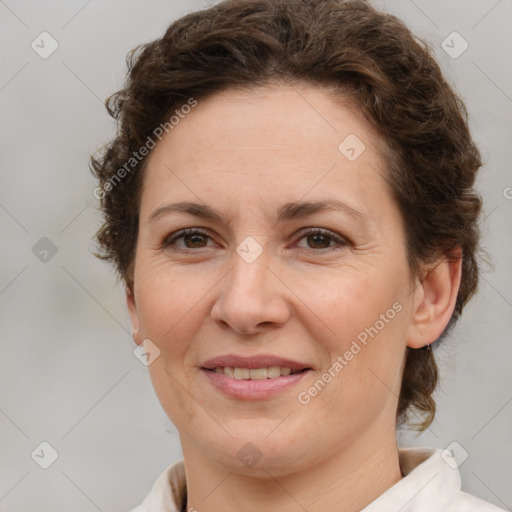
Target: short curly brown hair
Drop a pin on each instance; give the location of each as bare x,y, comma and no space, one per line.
350,48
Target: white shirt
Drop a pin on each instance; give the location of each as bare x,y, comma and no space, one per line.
431,483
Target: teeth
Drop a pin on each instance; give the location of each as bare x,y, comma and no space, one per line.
241,373
258,373
255,373
273,371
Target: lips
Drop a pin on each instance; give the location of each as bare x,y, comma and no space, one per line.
270,372
260,362
254,377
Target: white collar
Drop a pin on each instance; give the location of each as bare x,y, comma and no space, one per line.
431,483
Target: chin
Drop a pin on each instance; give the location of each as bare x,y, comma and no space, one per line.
256,455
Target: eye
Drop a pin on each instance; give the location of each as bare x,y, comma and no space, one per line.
193,238
318,238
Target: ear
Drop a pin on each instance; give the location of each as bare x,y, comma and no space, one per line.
435,298
132,310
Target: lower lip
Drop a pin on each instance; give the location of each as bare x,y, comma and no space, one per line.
246,389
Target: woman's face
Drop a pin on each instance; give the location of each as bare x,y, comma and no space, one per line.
272,285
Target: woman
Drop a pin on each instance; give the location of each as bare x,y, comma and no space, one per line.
290,203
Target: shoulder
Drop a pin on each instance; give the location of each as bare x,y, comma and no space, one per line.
440,468
464,502
431,482
168,492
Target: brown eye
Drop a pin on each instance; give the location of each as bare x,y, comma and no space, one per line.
322,239
192,238
195,241
318,241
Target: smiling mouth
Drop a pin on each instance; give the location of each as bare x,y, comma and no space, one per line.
270,372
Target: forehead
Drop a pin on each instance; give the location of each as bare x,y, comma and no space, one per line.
276,142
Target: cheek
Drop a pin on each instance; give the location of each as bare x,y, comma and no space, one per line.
169,313
362,328
346,304
167,303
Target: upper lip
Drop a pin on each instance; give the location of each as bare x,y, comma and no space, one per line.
257,361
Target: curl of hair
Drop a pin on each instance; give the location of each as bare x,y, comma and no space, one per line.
353,51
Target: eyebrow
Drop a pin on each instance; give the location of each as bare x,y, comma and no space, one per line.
288,211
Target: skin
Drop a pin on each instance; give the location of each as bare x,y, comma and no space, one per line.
245,153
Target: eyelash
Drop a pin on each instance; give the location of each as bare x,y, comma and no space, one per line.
311,232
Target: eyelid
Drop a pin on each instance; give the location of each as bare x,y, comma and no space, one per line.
339,240
183,232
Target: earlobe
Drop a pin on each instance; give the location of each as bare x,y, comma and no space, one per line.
435,299
132,311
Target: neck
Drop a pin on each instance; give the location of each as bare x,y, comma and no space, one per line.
348,481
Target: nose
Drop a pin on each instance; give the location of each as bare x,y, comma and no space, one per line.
251,297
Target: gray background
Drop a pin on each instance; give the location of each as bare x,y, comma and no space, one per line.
68,375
